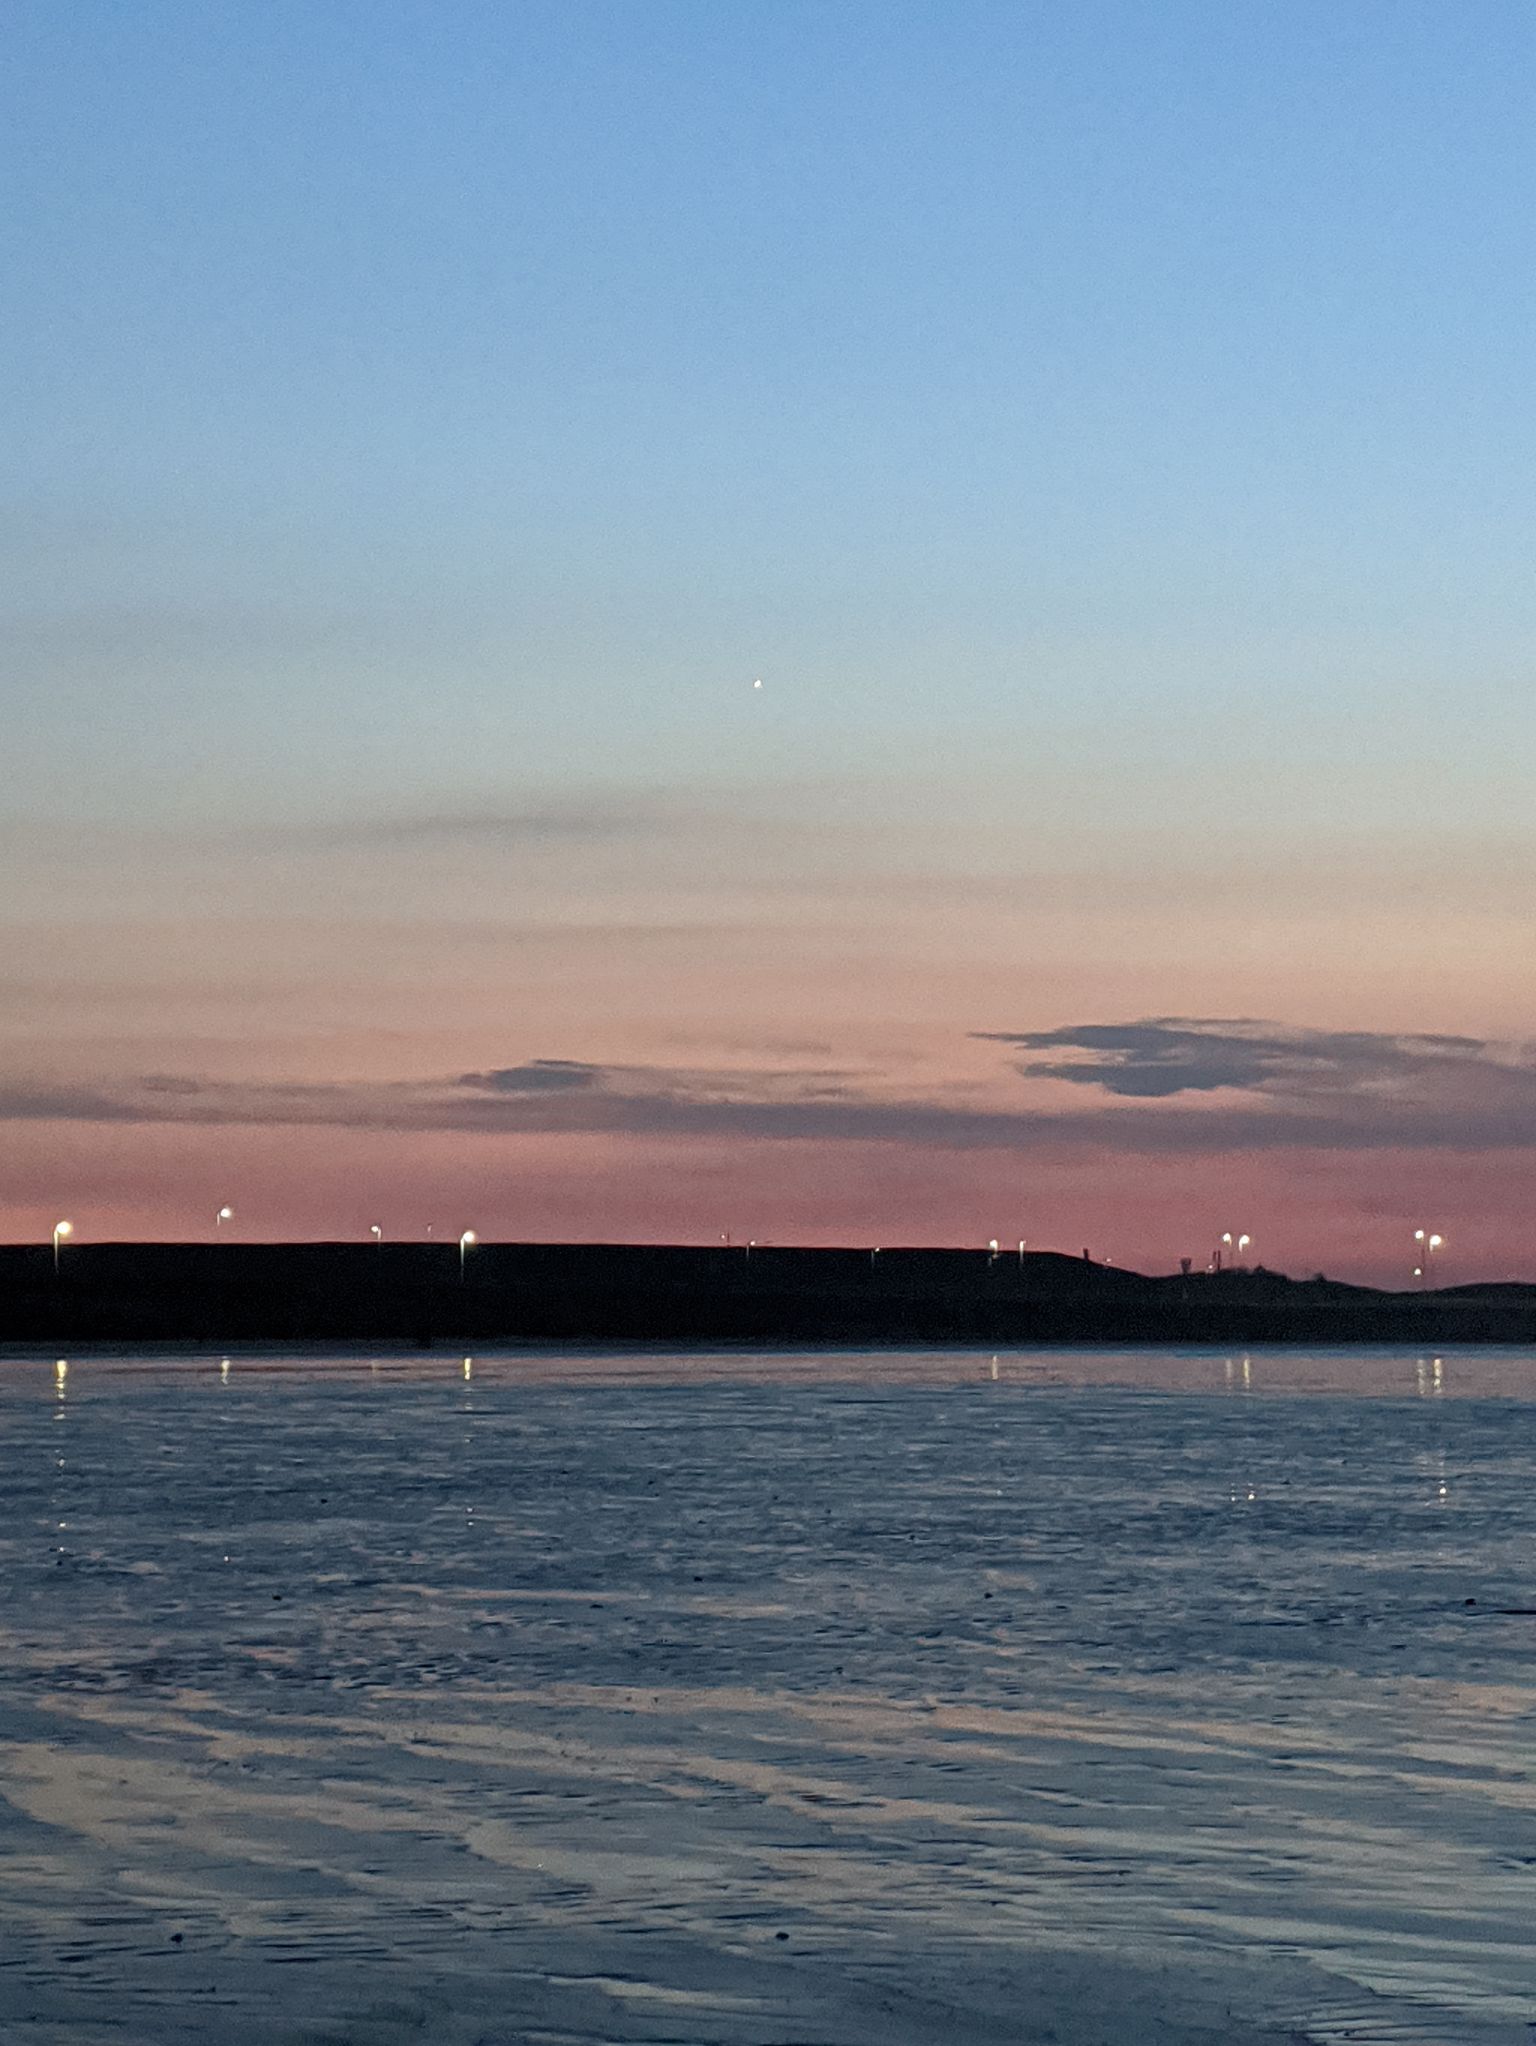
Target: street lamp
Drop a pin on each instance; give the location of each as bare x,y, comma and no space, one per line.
225,1214
61,1230
1236,1245
376,1233
1428,1243
467,1243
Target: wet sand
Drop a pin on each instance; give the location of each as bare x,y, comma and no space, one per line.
768,1701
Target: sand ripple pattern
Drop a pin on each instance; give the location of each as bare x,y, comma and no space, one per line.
735,1702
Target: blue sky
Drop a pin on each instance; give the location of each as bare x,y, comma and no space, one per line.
1106,429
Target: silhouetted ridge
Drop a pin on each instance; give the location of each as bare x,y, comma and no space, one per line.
660,1293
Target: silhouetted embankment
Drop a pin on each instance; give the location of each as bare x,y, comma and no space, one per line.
602,1293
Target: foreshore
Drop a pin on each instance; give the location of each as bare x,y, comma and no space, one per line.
854,1698
422,1294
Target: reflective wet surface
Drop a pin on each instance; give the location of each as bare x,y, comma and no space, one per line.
769,1698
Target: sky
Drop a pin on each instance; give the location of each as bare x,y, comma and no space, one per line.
1105,432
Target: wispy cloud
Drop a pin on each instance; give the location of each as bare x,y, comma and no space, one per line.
1249,1087
538,1076
1166,1055
596,817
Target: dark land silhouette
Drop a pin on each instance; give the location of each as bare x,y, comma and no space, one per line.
417,1294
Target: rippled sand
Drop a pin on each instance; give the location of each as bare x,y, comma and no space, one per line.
769,1701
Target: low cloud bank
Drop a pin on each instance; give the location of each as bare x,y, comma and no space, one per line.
1167,1086
1169,1055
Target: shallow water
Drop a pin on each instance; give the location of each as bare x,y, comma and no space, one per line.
573,1699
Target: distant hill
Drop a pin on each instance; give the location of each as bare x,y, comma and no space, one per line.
419,1293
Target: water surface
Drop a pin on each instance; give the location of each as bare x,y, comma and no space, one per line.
567,1698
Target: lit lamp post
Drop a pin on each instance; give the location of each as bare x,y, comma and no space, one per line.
467,1243
225,1214
1428,1243
376,1233
1236,1245
61,1231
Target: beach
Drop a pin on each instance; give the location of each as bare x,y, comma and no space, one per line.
832,1699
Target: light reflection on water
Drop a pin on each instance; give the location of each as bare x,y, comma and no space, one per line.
375,1661
1367,1372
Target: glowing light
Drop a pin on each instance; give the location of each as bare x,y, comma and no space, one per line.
467,1243
61,1231
1429,1241
375,1232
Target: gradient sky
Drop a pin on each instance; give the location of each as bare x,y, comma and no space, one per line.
1106,430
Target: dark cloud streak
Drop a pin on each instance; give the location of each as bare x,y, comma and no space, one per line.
538,1076
1298,1091
1167,1055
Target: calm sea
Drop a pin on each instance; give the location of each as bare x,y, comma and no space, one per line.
326,1684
